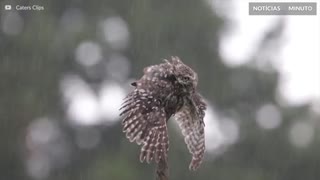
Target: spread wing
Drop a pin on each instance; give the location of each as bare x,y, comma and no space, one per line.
144,117
145,123
190,120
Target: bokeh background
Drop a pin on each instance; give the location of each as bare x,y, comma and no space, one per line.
65,70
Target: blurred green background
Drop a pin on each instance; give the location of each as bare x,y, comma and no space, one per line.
64,71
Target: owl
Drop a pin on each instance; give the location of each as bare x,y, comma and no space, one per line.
165,91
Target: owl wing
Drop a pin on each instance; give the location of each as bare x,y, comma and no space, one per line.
145,123
190,120
144,118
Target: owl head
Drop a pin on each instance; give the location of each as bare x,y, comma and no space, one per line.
184,74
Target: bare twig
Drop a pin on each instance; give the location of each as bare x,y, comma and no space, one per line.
162,171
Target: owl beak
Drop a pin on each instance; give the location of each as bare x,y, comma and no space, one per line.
195,83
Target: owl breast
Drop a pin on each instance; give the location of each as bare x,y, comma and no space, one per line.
172,104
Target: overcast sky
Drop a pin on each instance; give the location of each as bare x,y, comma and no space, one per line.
298,60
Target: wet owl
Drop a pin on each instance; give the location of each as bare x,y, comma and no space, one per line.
165,91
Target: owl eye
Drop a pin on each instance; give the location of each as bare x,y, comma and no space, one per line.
186,78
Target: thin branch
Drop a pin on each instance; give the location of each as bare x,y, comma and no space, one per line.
162,171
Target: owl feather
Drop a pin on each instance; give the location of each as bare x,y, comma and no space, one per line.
164,91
